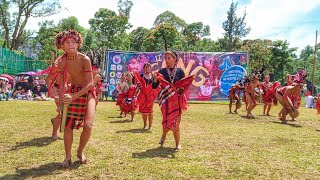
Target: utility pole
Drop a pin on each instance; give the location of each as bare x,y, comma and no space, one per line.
314,63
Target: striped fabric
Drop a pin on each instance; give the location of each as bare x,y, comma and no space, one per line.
129,103
146,95
172,104
76,110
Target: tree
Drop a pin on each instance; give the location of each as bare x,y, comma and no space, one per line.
195,31
282,57
306,53
234,27
205,45
164,35
137,38
15,28
170,18
124,8
107,25
70,23
45,37
259,51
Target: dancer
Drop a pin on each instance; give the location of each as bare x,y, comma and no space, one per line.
266,85
97,84
79,96
250,95
234,94
53,92
129,103
283,96
147,95
172,100
122,88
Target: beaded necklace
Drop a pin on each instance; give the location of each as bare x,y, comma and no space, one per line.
172,74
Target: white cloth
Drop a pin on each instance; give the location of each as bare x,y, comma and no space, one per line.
310,102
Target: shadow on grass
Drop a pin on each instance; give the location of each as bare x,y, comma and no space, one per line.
134,131
246,117
318,130
163,152
37,172
288,124
38,142
115,117
121,121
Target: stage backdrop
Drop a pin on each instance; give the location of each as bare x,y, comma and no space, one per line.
214,72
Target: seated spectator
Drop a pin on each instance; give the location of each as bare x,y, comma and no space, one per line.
19,93
4,91
37,93
36,81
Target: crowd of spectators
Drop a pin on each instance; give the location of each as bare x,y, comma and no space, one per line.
23,87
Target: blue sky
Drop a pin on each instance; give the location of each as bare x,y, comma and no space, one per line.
292,20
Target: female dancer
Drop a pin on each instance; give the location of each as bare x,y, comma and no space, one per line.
129,104
172,100
147,95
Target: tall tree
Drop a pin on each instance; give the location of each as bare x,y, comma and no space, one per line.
164,35
306,53
124,8
70,23
137,38
235,27
14,23
259,51
107,25
45,38
170,18
282,57
195,31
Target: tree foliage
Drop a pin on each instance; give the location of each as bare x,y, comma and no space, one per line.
106,25
170,18
137,39
235,27
14,23
195,31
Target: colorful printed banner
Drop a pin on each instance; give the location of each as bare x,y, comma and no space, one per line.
214,72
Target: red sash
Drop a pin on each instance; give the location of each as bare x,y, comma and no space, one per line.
146,96
172,104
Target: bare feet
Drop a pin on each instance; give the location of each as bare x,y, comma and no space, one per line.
267,114
66,163
178,148
82,157
54,137
230,112
161,142
235,111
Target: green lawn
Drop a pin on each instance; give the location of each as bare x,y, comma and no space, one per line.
215,145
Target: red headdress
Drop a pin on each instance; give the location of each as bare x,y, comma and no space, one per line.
300,77
63,36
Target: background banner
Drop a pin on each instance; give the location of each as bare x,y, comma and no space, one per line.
214,72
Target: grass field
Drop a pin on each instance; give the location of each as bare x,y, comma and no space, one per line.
216,145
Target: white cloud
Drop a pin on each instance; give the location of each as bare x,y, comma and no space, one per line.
275,19
270,19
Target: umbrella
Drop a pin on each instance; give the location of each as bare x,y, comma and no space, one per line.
30,73
5,79
7,76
